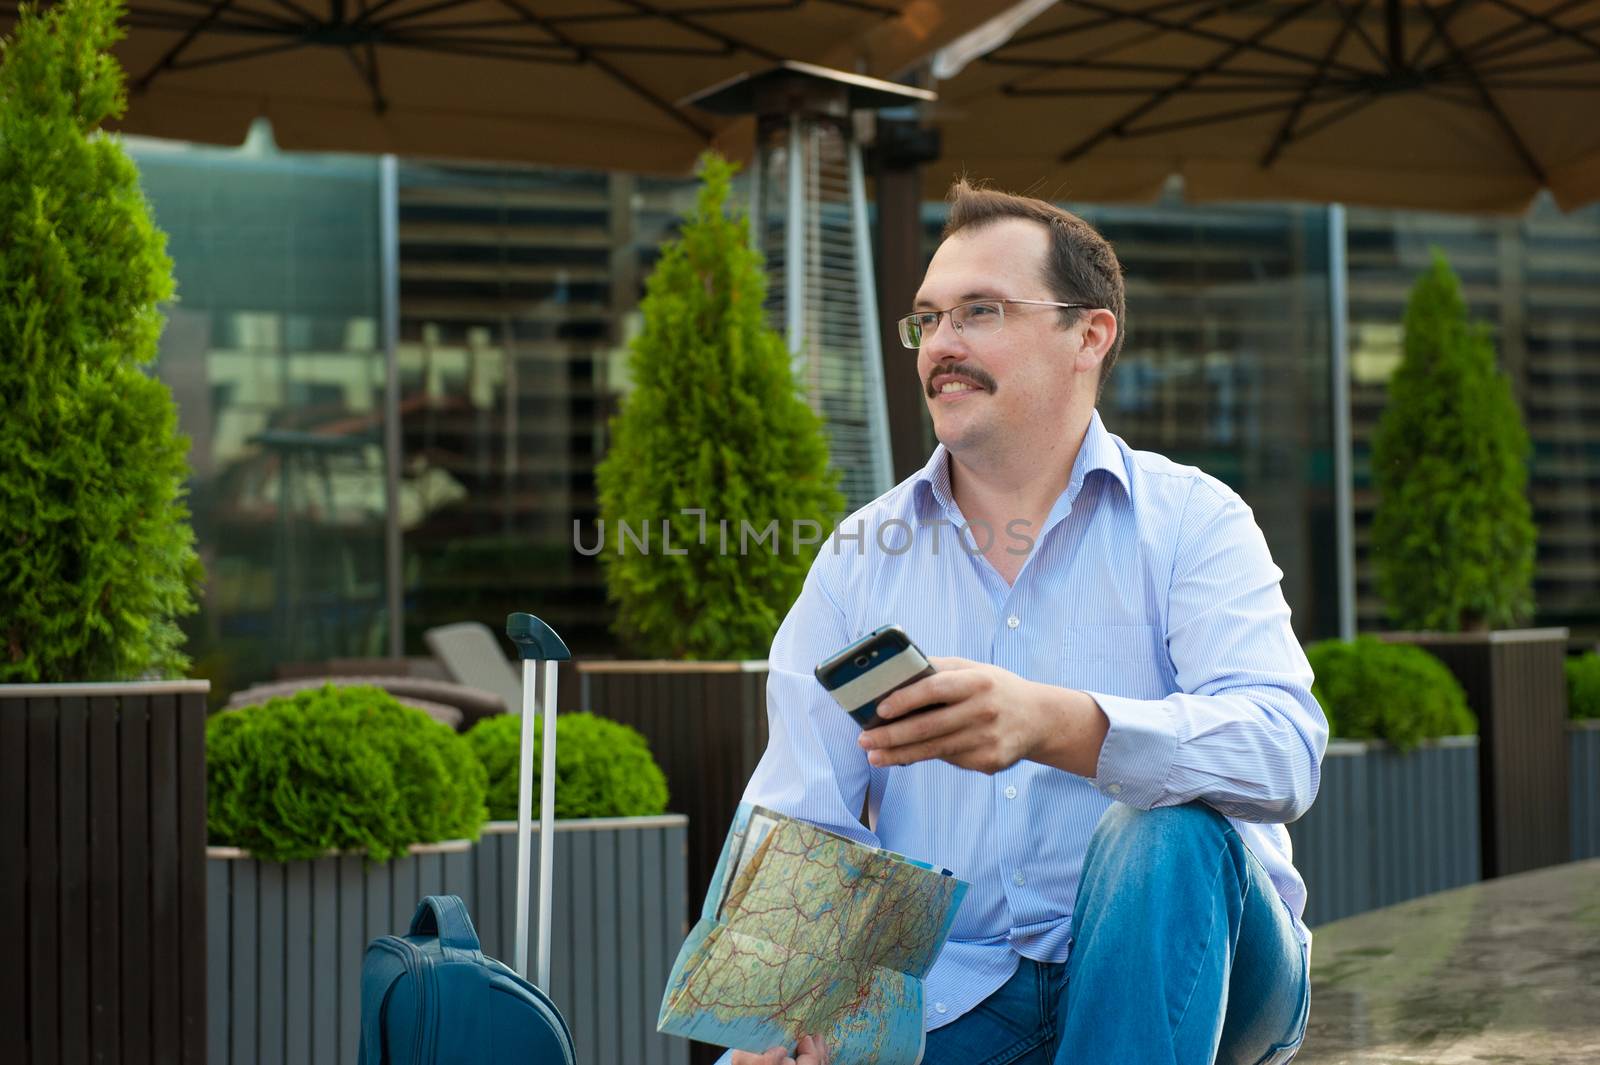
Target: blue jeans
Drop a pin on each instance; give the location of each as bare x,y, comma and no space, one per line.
1182,952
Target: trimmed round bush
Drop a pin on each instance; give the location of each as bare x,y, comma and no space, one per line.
1387,691
338,768
603,767
1583,686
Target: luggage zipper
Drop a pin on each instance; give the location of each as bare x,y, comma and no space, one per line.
411,956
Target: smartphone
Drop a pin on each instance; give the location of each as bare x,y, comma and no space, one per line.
882,661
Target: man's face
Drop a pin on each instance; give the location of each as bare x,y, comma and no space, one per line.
989,395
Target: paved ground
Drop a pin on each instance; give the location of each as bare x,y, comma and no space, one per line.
1504,971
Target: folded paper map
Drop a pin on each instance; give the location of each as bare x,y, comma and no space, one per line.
805,932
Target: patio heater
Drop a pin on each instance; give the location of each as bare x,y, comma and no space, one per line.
809,219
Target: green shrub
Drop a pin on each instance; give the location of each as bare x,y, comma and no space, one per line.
715,421
1453,537
338,769
603,767
1583,686
97,557
1387,691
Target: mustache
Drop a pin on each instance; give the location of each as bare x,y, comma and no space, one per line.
967,373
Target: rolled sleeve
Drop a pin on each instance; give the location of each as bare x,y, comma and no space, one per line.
1244,733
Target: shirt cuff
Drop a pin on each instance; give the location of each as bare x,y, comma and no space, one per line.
1139,749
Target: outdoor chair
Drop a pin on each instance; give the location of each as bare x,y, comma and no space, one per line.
473,654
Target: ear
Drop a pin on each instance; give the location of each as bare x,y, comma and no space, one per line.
1097,332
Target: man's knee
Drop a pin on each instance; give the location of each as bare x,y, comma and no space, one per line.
1127,831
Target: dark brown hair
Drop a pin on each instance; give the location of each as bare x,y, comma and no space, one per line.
1080,266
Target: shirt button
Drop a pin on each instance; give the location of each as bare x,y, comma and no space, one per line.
1115,789
940,1007
1013,621
1011,792
1018,879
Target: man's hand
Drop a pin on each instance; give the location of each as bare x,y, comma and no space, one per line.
809,1052
992,720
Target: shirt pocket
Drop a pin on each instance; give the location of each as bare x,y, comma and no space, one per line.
1126,660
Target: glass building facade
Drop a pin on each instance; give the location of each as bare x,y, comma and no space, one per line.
272,353
516,291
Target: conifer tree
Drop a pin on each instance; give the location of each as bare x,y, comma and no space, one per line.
96,553
1453,538
715,422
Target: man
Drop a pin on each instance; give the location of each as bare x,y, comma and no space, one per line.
1128,719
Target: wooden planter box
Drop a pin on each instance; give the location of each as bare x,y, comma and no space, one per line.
1583,746
102,873
706,723
1517,686
285,940
1388,827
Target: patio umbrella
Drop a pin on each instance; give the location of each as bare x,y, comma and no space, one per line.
562,82
1468,105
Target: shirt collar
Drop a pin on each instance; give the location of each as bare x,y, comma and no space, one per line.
1099,451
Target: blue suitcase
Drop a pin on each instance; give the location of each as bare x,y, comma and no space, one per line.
432,997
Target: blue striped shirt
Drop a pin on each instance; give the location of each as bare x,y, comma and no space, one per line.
1150,587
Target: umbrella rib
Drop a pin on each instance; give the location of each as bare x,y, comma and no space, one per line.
618,75
1540,64
1097,22
516,47
451,48
1253,42
1440,92
1554,28
472,24
1338,116
1547,86
242,53
380,102
658,49
1132,90
248,12
1524,47
166,61
413,13
1442,19
1285,132
1489,101
171,20
1137,68
1084,62
1118,127
369,13
1394,28
694,27
1215,118
1472,50
290,5
369,74
1366,38
717,9
858,5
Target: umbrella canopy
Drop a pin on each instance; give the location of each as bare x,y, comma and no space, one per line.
1466,105
563,82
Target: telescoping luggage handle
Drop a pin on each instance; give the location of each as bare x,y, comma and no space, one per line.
536,643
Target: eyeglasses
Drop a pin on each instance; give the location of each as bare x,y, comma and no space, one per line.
978,318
